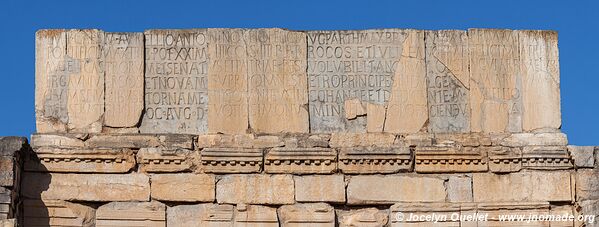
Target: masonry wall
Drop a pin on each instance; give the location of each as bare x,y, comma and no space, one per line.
269,127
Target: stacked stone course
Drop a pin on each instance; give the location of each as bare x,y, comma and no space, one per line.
271,127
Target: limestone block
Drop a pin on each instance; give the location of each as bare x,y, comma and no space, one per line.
228,81
583,156
56,213
464,139
307,214
176,81
124,71
69,81
448,81
231,160
540,80
376,189
238,140
562,211
58,140
209,215
131,214
361,139
8,203
87,187
403,214
459,189
382,67
306,140
9,170
367,217
154,160
587,184
183,187
365,160
81,160
255,189
493,211
450,158
591,208
415,140
255,216
8,222
123,141
504,159
534,139
183,141
495,80
276,67
320,188
300,160
524,186
546,157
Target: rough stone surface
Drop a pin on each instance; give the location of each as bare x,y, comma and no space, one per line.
448,81
370,217
131,214
87,187
49,140
176,97
276,64
587,184
255,189
495,80
358,139
365,160
532,139
459,189
590,207
124,71
540,80
183,187
300,160
57,213
81,160
320,188
212,215
156,160
365,190
584,156
307,214
255,216
526,186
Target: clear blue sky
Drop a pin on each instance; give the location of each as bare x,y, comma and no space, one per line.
576,21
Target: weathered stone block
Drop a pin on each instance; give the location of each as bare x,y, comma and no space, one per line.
587,184
320,188
154,160
367,217
402,214
56,213
81,160
87,187
187,84
69,81
276,67
255,189
459,189
361,139
449,158
591,208
183,187
363,190
124,71
495,71
538,139
239,141
210,215
504,159
300,160
526,186
540,80
365,160
60,141
123,141
131,214
493,212
307,214
448,81
231,160
255,216
561,212
583,156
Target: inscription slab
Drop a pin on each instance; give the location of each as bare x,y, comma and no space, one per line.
176,81
448,81
227,82
540,80
495,79
124,64
384,67
276,61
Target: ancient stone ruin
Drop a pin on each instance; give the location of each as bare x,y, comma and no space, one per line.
272,127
